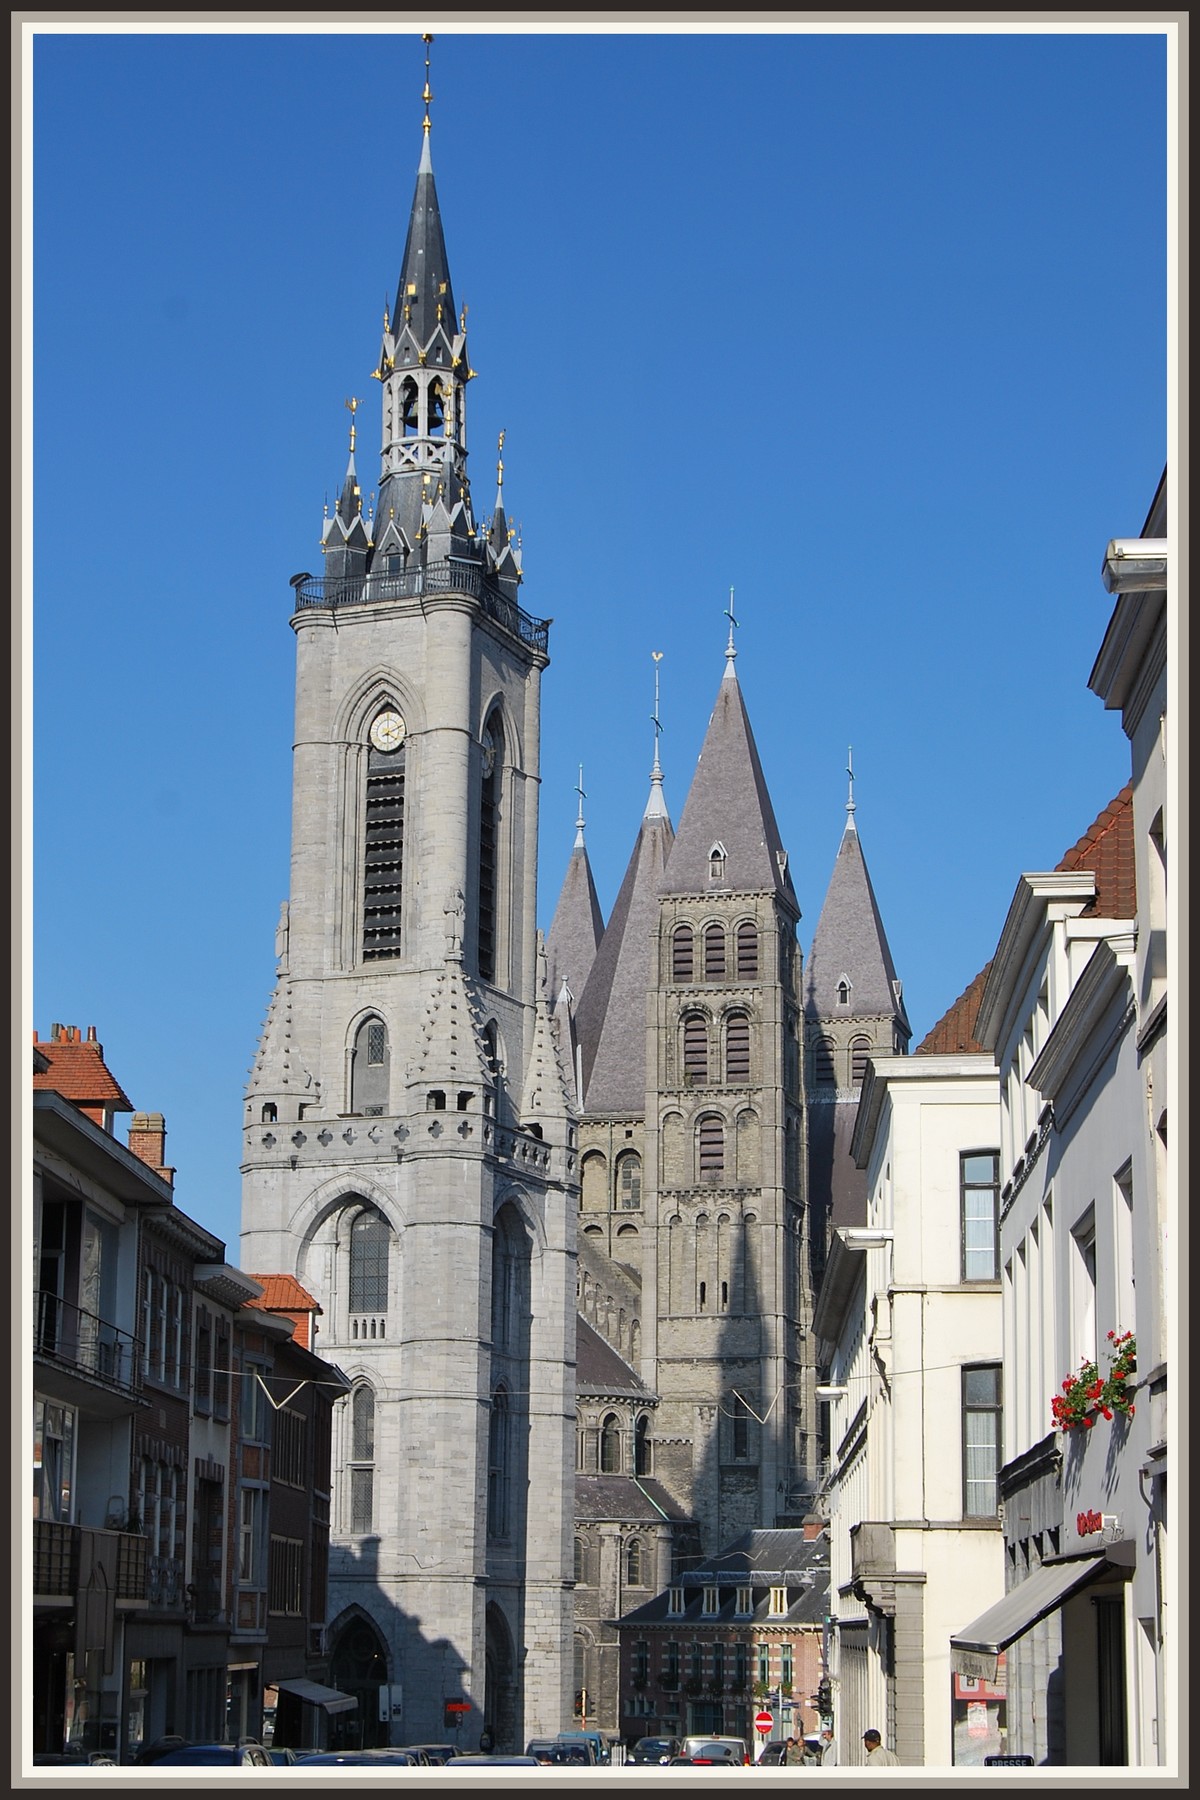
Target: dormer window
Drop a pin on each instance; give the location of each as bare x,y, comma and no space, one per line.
843,991
779,1602
745,1602
712,1602
716,862
674,1602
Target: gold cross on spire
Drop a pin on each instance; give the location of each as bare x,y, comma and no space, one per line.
427,96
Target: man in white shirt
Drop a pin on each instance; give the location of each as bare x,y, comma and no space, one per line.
877,1755
829,1753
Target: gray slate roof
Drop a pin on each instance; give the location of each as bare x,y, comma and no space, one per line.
850,940
611,1016
728,803
598,1367
640,1500
576,929
759,1560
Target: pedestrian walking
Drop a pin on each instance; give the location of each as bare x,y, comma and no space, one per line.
878,1756
829,1753
794,1752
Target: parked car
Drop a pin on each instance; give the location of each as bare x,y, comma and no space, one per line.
363,1759
773,1752
728,1750
596,1744
473,1762
434,1753
550,1750
212,1756
282,1754
654,1750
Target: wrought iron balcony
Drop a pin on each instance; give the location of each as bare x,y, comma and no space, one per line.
456,577
87,1345
57,1551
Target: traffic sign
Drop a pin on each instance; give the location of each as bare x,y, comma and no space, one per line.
763,1722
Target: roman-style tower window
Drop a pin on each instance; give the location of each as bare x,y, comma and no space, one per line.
383,860
633,1563
641,1447
860,1055
629,1180
695,1050
610,1446
711,1143
682,953
362,1458
369,1245
409,415
714,952
489,841
823,1062
369,1069
737,1048
747,951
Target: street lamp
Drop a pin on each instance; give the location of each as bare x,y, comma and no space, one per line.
1135,565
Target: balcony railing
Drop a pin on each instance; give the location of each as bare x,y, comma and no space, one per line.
56,1560
457,577
89,1345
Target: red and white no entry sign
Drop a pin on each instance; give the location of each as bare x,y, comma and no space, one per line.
763,1721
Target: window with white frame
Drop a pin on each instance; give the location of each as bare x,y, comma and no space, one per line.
744,1604
712,1601
779,1601
1083,1287
979,1189
981,1440
674,1602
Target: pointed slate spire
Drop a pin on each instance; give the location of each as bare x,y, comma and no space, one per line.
610,1020
346,540
548,1095
578,924
728,804
850,945
424,369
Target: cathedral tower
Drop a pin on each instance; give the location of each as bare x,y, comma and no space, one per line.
409,1147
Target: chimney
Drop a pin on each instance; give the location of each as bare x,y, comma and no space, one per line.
148,1141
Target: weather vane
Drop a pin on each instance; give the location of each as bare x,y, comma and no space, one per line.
658,656
730,652
850,773
427,96
582,797
352,405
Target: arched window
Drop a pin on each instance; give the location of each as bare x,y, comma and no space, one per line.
362,1458
823,1062
747,950
369,1247
737,1048
610,1446
629,1180
711,1139
641,1447
369,1069
695,1050
716,863
682,953
491,756
594,1183
714,952
270,1113
580,1560
633,1563
510,1281
498,1460
843,992
437,410
860,1055
409,416
383,851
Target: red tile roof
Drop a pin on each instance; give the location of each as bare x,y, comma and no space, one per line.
953,1034
1106,848
283,1293
77,1071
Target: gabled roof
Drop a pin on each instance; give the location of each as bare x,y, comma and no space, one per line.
954,1032
75,1068
728,803
611,1016
1106,848
283,1293
759,1560
637,1500
850,941
576,929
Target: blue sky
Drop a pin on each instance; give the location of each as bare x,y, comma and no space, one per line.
870,327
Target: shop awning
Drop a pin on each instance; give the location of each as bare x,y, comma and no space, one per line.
974,1649
313,1694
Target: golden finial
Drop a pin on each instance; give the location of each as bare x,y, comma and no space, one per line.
427,96
386,320
462,318
500,461
352,405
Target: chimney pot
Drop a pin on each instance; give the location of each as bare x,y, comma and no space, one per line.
91,1035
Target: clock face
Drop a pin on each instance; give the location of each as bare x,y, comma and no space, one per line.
488,745
387,730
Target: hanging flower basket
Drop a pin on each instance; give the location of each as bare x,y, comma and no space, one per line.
1089,1396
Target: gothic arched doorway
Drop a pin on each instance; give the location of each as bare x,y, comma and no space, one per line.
358,1666
500,1709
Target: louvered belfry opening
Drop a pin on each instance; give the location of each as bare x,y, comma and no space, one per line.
489,835
384,859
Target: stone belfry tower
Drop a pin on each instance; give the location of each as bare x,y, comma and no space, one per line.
409,1145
